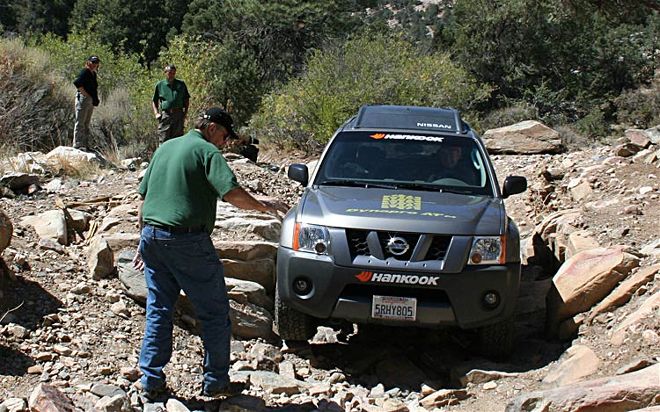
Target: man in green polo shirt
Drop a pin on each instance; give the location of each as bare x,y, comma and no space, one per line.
170,105
180,189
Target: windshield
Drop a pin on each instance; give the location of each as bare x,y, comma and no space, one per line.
394,160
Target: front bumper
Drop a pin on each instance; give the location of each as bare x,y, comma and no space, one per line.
454,299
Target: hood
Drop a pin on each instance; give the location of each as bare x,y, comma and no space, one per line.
403,210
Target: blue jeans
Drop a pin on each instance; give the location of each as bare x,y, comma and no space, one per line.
183,261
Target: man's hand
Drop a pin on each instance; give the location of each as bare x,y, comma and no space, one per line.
275,209
138,263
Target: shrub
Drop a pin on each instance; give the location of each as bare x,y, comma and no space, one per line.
516,112
125,88
35,110
639,108
593,125
217,74
379,70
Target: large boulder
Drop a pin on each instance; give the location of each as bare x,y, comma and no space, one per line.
527,137
33,162
578,362
267,228
49,225
100,259
627,392
584,280
6,230
65,157
133,280
17,181
261,271
245,249
244,291
250,321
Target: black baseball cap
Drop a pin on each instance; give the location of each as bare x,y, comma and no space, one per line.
94,59
170,67
221,117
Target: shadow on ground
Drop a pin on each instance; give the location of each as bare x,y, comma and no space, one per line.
406,358
256,404
26,303
13,362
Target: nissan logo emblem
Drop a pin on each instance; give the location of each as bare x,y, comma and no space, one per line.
397,246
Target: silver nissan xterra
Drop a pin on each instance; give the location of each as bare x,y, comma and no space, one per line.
401,223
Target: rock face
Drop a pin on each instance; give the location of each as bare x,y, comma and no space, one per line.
585,279
624,291
6,230
628,392
647,309
526,137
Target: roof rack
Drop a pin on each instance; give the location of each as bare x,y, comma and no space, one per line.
409,118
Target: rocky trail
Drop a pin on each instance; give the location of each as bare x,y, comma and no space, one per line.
588,335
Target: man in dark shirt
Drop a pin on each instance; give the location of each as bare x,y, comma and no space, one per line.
87,98
170,105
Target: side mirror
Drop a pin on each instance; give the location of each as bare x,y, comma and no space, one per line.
514,185
299,173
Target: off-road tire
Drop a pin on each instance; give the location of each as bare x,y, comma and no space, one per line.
496,340
291,324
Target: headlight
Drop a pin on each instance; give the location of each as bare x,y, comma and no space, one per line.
311,238
488,250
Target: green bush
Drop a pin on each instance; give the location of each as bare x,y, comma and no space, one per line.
217,74
379,70
639,108
593,125
578,53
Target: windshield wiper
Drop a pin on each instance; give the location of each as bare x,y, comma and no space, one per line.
356,183
434,188
420,186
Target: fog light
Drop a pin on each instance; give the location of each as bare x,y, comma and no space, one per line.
491,300
320,247
302,286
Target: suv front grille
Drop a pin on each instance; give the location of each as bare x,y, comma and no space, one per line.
359,245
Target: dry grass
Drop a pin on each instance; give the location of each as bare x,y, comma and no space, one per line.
63,166
35,110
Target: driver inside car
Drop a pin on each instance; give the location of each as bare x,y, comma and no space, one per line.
453,164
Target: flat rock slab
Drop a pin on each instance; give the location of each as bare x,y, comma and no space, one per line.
612,394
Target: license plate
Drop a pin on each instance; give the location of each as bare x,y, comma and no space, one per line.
394,308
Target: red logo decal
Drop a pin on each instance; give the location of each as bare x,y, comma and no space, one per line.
364,276
377,136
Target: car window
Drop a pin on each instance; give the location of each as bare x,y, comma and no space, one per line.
431,162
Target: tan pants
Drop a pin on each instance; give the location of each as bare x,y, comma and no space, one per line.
170,125
84,109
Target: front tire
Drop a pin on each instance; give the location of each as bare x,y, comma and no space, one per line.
496,340
290,324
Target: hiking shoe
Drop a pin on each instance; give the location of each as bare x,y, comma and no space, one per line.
155,395
225,391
